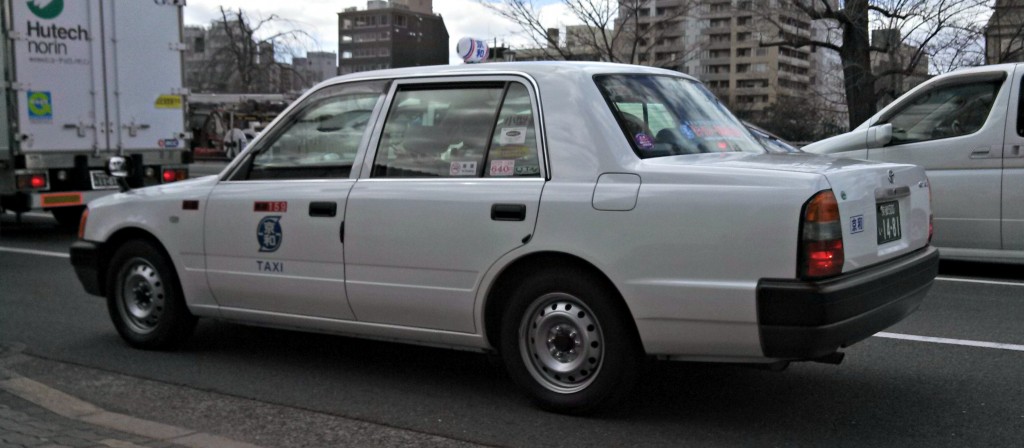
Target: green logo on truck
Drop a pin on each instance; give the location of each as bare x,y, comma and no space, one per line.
46,9
40,106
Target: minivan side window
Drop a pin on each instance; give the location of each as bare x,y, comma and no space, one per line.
457,131
320,139
944,112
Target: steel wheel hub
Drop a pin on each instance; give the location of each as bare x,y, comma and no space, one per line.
561,343
142,296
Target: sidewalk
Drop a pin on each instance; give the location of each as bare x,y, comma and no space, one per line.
40,406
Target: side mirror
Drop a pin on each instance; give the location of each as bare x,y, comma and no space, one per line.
879,136
117,167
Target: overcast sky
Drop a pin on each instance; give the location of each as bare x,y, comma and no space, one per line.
319,18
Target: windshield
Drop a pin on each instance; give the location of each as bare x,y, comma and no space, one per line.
666,116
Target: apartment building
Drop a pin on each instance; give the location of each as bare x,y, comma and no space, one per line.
391,34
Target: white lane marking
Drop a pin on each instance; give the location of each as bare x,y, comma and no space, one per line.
987,282
44,253
910,337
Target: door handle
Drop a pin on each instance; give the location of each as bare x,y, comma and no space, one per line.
980,153
508,212
1015,151
323,209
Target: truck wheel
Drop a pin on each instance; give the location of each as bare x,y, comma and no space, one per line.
567,344
68,217
144,298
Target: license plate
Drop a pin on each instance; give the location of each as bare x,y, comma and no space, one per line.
101,181
888,221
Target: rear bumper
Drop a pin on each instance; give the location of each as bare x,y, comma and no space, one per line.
810,319
85,257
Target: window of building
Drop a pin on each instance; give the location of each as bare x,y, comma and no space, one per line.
743,52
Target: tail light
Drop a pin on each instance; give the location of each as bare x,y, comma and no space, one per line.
35,181
81,223
173,174
821,237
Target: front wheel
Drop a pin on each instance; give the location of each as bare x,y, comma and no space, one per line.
144,298
569,343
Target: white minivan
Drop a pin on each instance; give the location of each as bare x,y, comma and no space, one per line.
966,129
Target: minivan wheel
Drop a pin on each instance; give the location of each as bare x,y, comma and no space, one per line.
144,298
567,344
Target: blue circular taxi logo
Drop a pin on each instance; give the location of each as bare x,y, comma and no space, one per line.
46,9
269,234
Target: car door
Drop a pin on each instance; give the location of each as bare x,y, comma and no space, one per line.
1013,167
955,132
454,184
273,226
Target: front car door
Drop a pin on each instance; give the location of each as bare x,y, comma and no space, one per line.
454,184
274,225
955,132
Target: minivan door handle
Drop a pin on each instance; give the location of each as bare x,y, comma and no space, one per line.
980,153
508,212
323,209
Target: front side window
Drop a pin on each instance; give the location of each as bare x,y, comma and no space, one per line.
665,116
944,112
320,139
464,131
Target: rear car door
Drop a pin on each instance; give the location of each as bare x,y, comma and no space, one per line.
1013,167
274,226
955,132
454,184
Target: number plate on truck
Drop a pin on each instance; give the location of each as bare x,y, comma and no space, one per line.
101,181
888,221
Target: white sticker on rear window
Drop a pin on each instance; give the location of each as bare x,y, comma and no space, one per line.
462,169
502,167
512,136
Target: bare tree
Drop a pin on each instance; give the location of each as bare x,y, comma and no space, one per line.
627,31
246,54
943,33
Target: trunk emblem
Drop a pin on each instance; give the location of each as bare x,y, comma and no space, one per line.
892,177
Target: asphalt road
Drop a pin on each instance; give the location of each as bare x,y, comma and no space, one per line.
889,391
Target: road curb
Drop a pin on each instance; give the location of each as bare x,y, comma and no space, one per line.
70,407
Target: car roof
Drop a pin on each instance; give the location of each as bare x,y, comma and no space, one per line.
536,69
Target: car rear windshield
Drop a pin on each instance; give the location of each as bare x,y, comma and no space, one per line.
667,116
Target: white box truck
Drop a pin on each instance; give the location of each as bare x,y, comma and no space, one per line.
85,80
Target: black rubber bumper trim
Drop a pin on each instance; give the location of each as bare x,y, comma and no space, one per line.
809,319
85,257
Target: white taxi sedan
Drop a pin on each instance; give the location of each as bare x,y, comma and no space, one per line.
574,217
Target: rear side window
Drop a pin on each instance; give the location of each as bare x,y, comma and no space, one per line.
944,112
666,116
463,131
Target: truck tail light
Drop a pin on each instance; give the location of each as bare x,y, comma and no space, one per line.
174,174
35,181
821,237
81,223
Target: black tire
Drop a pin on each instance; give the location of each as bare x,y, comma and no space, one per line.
68,218
567,319
144,298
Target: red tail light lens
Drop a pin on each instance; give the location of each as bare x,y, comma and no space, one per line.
171,175
821,237
31,181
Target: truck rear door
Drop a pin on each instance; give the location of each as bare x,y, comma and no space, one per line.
144,55
58,75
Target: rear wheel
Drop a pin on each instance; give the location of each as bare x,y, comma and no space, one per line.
144,298
568,342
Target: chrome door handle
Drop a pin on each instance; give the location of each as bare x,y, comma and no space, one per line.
980,153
